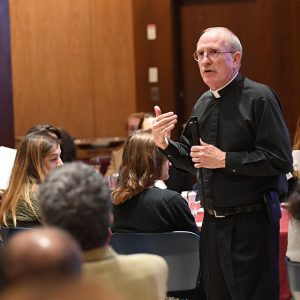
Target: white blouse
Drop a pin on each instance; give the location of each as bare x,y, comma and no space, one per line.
293,247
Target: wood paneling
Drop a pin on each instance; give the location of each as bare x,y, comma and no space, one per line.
113,65
83,65
154,53
52,65
73,65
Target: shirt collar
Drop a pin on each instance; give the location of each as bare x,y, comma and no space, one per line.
216,92
101,253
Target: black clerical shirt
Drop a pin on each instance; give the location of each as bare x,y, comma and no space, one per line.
247,123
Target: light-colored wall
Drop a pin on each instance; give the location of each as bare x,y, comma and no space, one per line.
73,65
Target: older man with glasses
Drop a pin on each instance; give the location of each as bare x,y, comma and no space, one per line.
238,141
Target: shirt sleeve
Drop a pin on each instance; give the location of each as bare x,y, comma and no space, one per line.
271,154
181,214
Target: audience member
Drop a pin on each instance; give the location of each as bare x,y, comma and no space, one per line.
242,156
116,156
62,290
145,124
77,199
146,121
68,147
40,255
294,176
178,180
138,205
293,248
296,145
45,128
37,153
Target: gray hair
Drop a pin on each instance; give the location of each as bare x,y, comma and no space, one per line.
232,41
76,198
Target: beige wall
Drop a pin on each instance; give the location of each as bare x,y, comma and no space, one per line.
73,65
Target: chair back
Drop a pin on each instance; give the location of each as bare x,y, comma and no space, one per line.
293,270
180,249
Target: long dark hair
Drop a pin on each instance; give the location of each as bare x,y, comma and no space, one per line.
141,166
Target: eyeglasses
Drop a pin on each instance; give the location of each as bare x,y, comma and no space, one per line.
210,53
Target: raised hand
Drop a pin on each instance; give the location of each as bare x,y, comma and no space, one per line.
162,127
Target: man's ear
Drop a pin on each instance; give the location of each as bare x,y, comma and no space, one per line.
237,57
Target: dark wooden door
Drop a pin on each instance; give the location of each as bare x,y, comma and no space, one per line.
271,43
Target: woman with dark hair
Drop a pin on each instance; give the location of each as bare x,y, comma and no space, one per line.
37,154
68,147
139,206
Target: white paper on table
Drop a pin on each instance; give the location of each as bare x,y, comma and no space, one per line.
7,159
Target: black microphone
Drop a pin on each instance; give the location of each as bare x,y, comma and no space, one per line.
194,129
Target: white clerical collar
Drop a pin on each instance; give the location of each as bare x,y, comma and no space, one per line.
216,92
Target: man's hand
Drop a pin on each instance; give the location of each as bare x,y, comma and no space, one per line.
208,156
162,126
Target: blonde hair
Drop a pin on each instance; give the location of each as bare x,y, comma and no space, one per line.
141,166
29,168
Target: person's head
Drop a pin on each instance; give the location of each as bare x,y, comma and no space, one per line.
37,154
76,198
294,202
68,147
296,144
45,128
146,121
143,163
219,54
40,253
133,121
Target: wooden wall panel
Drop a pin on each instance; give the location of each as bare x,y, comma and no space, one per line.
52,65
83,65
113,65
154,53
73,65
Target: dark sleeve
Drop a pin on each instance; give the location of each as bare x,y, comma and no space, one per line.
272,154
178,153
180,180
181,214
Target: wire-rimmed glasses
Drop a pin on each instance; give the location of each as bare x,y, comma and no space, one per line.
210,53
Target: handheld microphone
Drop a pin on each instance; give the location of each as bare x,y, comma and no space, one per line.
194,129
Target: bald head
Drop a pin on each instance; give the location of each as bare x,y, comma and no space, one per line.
39,253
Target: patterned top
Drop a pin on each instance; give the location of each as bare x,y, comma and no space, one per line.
25,214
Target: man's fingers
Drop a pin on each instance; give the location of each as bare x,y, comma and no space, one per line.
157,110
203,143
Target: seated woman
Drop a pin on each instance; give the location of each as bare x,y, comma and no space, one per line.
139,206
293,248
37,154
